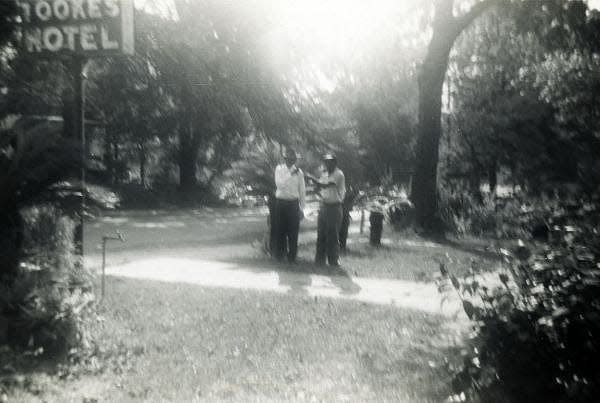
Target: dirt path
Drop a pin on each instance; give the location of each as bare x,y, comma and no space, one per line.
213,248
406,294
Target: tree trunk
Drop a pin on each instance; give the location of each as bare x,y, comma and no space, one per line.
115,160
11,243
187,170
475,185
431,80
493,178
187,160
143,158
446,28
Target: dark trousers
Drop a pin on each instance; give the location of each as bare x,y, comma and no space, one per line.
328,229
286,224
344,228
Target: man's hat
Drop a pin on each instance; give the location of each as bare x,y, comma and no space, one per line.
329,156
289,152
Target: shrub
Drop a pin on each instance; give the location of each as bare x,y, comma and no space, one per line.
455,211
503,218
49,303
401,213
536,331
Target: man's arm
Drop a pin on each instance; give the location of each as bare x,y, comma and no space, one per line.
311,178
320,184
341,185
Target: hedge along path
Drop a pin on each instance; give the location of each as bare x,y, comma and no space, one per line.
420,296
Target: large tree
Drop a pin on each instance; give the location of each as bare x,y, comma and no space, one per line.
558,23
446,28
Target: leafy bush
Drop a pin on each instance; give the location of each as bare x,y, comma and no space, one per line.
48,305
455,211
34,156
462,214
536,328
503,218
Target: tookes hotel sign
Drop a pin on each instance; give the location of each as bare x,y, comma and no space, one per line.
87,27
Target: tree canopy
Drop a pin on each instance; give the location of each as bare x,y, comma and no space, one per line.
368,82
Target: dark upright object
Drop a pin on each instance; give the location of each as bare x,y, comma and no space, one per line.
286,226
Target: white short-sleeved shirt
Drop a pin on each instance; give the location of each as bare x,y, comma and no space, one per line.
290,184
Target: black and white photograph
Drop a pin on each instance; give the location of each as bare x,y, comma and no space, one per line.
304,201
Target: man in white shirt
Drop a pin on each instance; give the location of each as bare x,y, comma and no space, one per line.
289,207
332,188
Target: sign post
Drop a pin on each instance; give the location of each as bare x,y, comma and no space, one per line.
77,72
77,30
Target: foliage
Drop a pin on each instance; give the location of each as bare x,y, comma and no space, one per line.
135,111
519,111
44,296
387,145
49,303
216,92
346,144
536,328
33,86
190,95
8,10
570,82
401,213
509,217
256,168
558,24
462,214
500,124
32,159
381,108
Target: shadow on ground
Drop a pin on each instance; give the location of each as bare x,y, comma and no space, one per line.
298,276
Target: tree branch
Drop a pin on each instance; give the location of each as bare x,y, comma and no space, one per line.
461,22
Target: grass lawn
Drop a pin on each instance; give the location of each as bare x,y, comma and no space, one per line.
407,258
402,255
183,343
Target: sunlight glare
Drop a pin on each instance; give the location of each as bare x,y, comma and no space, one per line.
338,27
324,39
328,36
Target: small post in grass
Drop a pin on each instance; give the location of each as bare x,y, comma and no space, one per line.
106,238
